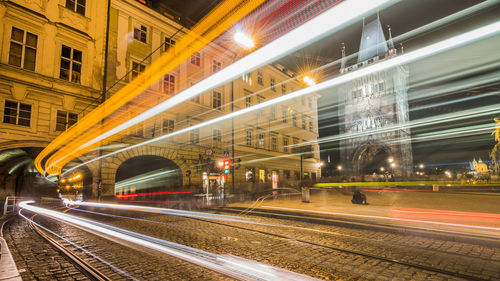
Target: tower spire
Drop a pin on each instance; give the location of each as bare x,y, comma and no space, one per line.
391,43
342,62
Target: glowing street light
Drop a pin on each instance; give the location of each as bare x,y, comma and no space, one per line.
390,159
243,39
421,166
339,167
308,80
382,169
221,163
319,164
393,165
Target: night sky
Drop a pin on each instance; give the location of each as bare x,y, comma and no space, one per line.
403,17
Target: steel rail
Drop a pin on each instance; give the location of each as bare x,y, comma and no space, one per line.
84,267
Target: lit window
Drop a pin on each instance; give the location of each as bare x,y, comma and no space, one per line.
261,141
167,126
169,43
217,100
217,135
294,119
260,78
284,115
169,84
137,68
76,6
248,101
216,66
194,136
285,144
65,120
196,59
22,51
273,84
141,33
274,143
249,138
247,77
17,113
71,64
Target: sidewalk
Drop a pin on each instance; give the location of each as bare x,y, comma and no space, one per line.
460,213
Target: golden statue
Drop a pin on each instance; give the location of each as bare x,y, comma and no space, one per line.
494,151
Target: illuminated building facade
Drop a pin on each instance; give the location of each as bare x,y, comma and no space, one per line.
264,141
374,112
51,64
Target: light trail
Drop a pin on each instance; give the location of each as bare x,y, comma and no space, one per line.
142,179
229,265
433,49
311,31
215,23
118,270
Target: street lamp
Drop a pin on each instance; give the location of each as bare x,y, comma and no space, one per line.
390,159
243,39
339,167
421,166
382,169
319,164
308,80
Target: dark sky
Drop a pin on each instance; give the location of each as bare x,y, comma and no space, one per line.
403,17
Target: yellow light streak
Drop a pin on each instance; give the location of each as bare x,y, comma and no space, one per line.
224,16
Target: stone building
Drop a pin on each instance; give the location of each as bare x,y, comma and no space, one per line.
374,111
262,140
51,67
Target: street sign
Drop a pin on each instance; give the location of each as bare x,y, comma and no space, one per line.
226,153
209,152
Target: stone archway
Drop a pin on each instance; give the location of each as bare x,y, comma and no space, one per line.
370,157
110,165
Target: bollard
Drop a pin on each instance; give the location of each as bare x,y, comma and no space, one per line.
305,194
435,187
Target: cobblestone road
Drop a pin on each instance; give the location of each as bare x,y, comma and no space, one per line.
288,250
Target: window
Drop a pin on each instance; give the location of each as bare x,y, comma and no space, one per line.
285,144
137,68
262,142
283,89
17,113
65,119
260,78
303,100
273,84
22,51
273,112
247,77
248,101
76,6
217,100
284,113
310,126
196,59
274,143
195,99
249,138
194,136
141,33
287,174
217,135
169,43
309,102
216,66
169,84
303,122
138,130
294,119
167,126
71,64
259,101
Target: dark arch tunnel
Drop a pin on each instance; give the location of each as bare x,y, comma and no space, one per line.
146,174
18,177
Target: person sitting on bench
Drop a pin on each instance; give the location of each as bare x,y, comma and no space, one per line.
358,198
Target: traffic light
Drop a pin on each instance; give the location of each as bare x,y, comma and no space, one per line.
188,173
227,164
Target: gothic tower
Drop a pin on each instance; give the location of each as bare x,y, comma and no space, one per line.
373,111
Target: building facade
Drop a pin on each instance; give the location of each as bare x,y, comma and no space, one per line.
51,67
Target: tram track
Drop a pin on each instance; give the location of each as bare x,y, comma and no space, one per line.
367,255
85,267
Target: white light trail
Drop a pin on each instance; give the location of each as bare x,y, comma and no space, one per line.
433,49
229,265
311,31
